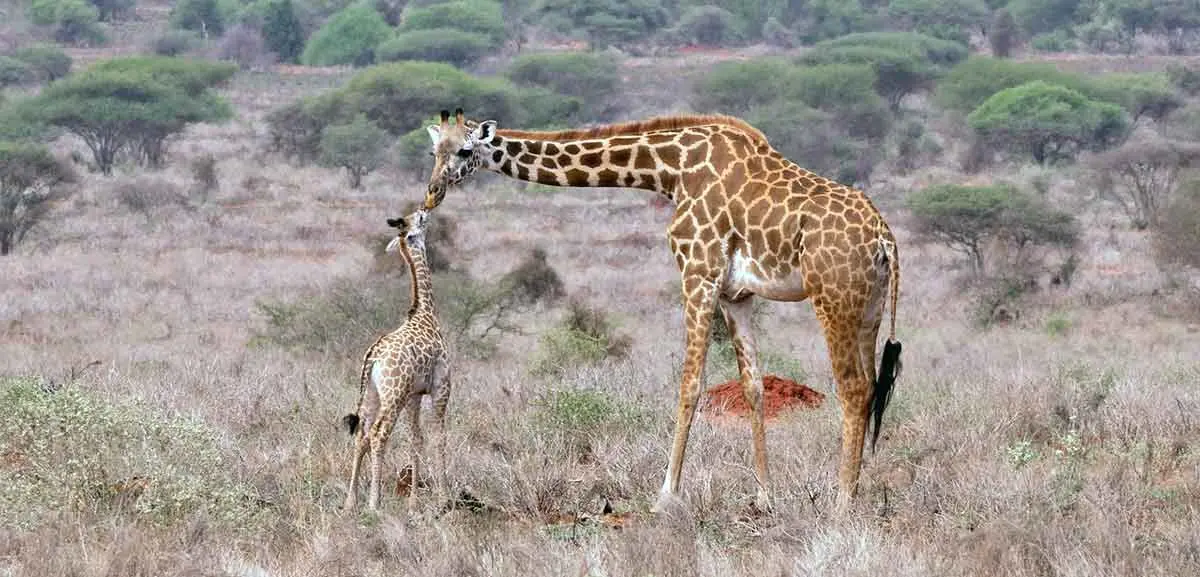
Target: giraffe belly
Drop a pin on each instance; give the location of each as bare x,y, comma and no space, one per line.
745,277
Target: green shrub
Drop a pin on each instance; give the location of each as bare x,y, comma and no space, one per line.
358,146
591,78
79,453
737,87
1141,95
342,321
833,18
295,129
1041,16
282,30
897,73
579,411
175,43
113,10
969,218
48,62
542,108
1185,78
74,21
402,96
534,280
201,16
448,45
479,17
775,34
938,52
584,337
946,19
14,72
970,83
810,137
609,23
1047,121
708,25
349,37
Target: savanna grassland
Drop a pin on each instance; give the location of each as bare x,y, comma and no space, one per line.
178,346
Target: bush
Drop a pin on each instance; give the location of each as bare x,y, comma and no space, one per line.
583,412
244,45
709,26
31,182
593,79
82,454
14,72
897,74
401,96
542,108
1040,16
113,10
480,17
810,137
1057,41
1002,33
1141,95
970,83
610,23
295,129
776,34
969,218
205,178
175,43
359,146
585,336
341,322
448,45
201,16
945,19
282,30
1185,78
1047,121
75,21
48,62
1177,235
938,52
349,37
534,280
1142,176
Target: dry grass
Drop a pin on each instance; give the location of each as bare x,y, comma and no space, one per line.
1062,444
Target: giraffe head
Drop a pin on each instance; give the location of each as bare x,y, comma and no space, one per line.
410,230
459,149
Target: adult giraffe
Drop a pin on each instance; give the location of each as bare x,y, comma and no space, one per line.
747,222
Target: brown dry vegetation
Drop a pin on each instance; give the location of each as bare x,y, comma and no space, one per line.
1063,443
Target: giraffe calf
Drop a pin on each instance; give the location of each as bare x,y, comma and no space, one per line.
398,369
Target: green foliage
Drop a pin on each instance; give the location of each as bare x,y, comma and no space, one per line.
175,43
113,10
897,74
295,128
74,21
946,19
349,37
584,337
833,18
202,16
1141,95
1041,16
593,79
15,72
282,30
810,136
342,321
969,218
76,452
134,103
1057,41
708,25
359,146
30,179
546,109
402,96
448,45
579,411
970,83
1185,78
737,87
936,51
46,61
479,17
1048,121
608,22
534,280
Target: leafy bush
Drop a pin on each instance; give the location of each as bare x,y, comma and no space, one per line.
48,62
76,452
1177,235
534,280
970,83
175,43
402,96
938,52
946,19
969,218
342,321
1142,176
774,33
811,137
14,72
448,45
359,146
593,79
282,30
579,411
74,21
1185,78
609,23
349,37
478,17
1048,121
30,184
585,336
737,87
113,10
244,45
542,108
1057,41
1040,16
201,16
295,129
707,25
1002,33
897,74
1141,95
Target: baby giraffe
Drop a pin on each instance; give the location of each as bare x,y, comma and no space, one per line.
398,369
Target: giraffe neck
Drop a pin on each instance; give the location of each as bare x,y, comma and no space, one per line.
420,282
649,161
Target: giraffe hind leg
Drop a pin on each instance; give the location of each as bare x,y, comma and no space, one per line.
359,425
841,322
738,318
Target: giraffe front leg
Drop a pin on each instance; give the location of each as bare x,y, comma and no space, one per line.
379,440
700,294
738,319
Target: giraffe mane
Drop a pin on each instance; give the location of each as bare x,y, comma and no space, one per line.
638,127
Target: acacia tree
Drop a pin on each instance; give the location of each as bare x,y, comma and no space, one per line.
30,179
359,146
1142,176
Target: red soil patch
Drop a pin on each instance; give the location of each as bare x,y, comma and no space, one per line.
779,395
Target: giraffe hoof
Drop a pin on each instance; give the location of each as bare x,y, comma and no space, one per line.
667,502
763,504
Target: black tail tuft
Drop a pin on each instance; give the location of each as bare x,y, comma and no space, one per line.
351,423
889,371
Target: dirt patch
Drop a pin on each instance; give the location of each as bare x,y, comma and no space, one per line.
779,396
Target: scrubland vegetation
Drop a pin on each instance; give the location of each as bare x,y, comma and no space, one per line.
192,205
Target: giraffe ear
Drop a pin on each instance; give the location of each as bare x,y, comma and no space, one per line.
396,222
435,133
484,132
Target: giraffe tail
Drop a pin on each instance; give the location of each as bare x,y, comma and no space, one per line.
889,365
352,420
